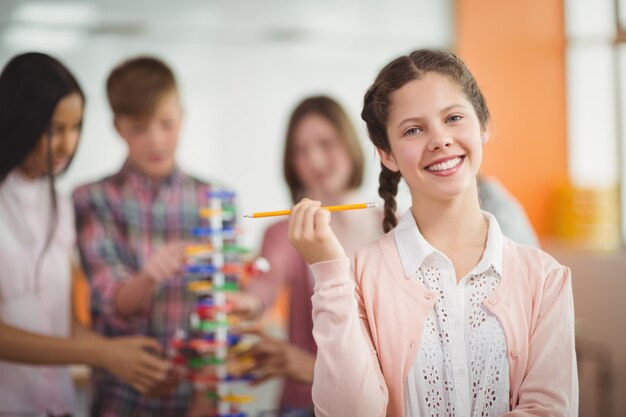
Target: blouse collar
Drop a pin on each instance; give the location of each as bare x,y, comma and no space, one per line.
413,248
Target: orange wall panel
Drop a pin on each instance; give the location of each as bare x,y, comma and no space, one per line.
516,50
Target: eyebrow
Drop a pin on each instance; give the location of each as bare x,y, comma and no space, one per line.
444,110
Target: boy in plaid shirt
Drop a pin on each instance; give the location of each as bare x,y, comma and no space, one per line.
133,227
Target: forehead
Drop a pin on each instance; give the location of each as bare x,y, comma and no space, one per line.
431,93
314,126
166,106
69,107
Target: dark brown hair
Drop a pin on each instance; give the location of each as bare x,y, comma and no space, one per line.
377,103
135,86
31,86
332,111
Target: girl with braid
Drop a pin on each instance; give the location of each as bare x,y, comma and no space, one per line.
443,315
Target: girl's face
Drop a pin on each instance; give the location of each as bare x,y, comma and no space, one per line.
320,158
61,140
435,138
152,140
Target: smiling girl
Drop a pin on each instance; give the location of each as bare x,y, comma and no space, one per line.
442,316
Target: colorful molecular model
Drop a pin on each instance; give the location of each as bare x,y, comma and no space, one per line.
215,266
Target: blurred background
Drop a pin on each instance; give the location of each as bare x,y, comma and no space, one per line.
553,72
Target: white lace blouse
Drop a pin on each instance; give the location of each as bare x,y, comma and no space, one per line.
461,368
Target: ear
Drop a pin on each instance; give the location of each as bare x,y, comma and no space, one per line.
485,134
388,160
119,128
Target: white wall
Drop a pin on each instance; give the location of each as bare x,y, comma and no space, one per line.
239,83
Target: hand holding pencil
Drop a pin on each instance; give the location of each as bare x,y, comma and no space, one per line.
310,232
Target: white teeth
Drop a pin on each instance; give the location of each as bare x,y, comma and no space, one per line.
451,163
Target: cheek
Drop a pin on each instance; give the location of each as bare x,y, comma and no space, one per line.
136,146
172,139
408,157
300,166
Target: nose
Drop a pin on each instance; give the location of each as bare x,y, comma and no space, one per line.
439,140
155,138
316,157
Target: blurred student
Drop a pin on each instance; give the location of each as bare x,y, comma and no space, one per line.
41,115
133,227
512,218
322,160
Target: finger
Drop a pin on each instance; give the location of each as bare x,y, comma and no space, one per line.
252,329
150,377
239,302
259,352
155,388
150,344
248,369
152,364
322,223
140,385
308,222
269,374
294,230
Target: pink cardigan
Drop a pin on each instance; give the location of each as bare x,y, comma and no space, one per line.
368,318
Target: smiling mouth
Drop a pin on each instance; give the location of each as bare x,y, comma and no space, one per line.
444,166
59,163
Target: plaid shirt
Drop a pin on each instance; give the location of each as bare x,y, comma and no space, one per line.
121,220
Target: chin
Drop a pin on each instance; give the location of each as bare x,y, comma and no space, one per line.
159,170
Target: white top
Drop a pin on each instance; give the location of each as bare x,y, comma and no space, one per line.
39,304
461,368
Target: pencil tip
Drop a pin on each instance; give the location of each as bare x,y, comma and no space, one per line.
247,215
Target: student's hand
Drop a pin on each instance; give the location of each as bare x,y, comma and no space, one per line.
277,358
311,235
135,360
167,386
166,262
245,305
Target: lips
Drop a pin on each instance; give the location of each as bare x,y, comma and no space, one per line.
59,163
155,159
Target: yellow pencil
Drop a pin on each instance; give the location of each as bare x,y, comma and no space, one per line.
329,208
